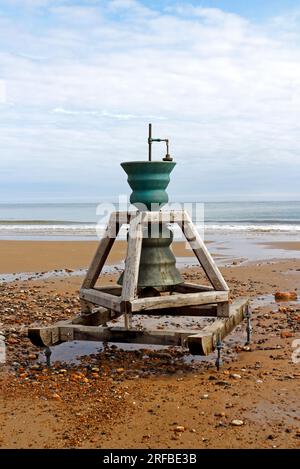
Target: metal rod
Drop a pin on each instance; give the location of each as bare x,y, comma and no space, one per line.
249,325
48,355
150,143
219,348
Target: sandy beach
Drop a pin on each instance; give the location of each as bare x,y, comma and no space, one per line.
117,398
40,256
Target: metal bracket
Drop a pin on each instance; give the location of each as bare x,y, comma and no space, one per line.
151,140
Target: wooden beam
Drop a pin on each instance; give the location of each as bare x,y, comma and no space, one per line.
179,299
132,263
165,216
192,311
96,318
101,298
187,287
43,337
111,289
102,253
204,342
223,310
203,255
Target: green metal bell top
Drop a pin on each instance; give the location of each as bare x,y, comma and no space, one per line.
148,181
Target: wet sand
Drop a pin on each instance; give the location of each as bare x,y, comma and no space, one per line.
285,245
139,398
40,256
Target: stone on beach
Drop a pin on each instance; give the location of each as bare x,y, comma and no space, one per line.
285,296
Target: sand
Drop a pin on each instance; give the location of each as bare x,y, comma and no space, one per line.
40,256
130,399
285,245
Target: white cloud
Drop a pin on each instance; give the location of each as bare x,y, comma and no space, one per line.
83,84
2,91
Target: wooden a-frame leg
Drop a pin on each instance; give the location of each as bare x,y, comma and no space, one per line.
132,264
102,253
99,259
201,252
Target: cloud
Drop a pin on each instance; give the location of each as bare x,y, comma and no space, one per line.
2,91
83,84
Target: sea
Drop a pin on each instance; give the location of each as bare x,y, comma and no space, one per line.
80,221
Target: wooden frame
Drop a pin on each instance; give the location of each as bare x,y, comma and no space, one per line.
93,327
128,302
186,299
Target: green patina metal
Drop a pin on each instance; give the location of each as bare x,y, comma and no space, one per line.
148,181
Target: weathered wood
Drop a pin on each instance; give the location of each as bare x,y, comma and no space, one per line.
179,299
163,216
86,307
132,263
199,343
223,310
97,318
204,342
111,289
203,255
44,336
193,311
187,287
101,298
102,253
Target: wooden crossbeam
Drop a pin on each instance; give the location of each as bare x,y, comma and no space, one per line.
179,299
101,298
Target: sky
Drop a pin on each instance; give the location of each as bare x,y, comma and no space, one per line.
81,80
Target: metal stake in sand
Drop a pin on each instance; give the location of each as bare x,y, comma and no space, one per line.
48,354
248,315
219,347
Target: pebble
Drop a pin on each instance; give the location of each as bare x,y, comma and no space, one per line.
223,383
286,334
205,396
179,429
235,376
237,422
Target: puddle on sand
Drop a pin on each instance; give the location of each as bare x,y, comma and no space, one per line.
25,276
269,300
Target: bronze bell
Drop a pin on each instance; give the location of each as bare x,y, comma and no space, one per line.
158,263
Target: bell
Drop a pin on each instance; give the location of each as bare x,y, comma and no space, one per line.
157,263
148,181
